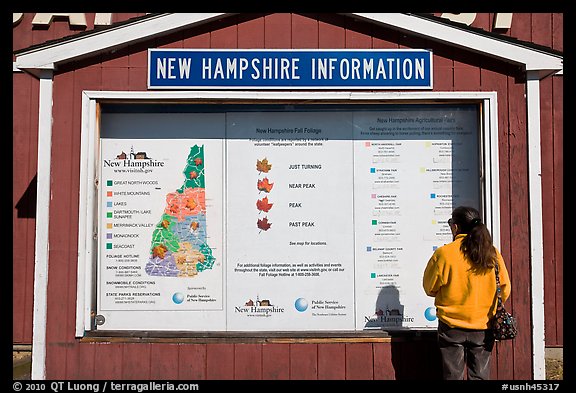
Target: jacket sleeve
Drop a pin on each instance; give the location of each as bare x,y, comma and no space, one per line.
505,284
431,280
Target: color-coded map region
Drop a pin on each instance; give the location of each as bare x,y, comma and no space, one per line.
179,247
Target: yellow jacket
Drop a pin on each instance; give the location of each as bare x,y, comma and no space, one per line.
463,299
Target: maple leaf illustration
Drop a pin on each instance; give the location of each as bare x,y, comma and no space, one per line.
265,185
263,165
191,204
263,224
159,251
193,175
263,205
198,161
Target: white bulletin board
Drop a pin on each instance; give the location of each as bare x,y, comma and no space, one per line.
285,218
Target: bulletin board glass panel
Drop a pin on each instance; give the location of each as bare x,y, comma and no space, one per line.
277,217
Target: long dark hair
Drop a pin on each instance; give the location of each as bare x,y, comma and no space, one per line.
477,245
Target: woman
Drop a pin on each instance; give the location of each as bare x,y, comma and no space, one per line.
460,276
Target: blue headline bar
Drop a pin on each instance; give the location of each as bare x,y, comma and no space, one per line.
274,69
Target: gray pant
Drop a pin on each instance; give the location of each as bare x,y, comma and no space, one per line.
465,347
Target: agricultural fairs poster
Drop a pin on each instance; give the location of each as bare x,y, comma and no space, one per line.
286,220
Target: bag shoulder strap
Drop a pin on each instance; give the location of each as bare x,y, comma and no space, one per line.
497,283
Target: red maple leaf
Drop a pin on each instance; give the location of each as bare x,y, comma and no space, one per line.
263,205
193,175
263,224
265,185
198,161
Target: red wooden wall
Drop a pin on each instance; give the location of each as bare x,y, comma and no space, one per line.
454,70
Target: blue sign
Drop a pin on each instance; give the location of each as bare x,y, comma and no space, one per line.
289,69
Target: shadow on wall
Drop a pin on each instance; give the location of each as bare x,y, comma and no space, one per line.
26,205
415,354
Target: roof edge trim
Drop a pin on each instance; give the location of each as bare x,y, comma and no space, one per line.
108,39
51,55
531,59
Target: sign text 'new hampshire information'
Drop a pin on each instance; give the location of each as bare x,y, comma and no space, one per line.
294,69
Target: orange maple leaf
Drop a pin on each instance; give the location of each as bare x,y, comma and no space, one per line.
263,224
193,175
191,204
265,185
263,166
198,161
263,205
159,251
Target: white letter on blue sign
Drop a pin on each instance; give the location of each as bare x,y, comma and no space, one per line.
184,68
170,68
161,68
206,68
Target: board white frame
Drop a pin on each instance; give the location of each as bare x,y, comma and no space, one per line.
90,134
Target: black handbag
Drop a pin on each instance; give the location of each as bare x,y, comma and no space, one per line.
503,323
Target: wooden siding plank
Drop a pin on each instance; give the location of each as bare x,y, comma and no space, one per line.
493,78
278,31
55,361
304,361
225,37
548,225
358,35
251,33
138,55
483,21
22,36
24,151
331,36
406,41
275,361
248,361
558,31
61,250
81,361
137,79
542,29
384,38
383,366
304,31
219,361
558,130
117,58
332,361
519,264
123,16
359,361
443,67
196,39
136,361
192,361
170,41
467,74
521,26
109,360
115,78
164,361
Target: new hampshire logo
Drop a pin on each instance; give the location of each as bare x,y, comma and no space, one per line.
133,159
258,308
